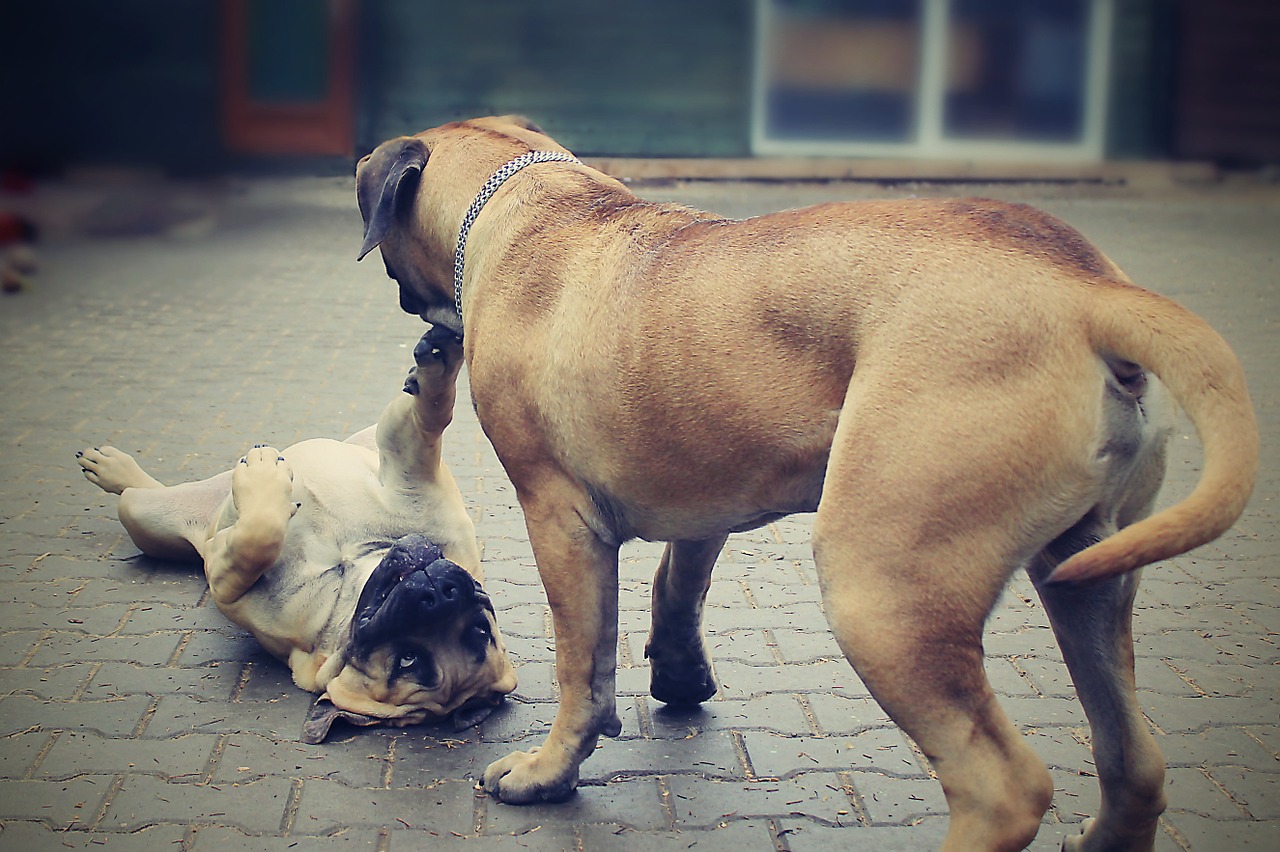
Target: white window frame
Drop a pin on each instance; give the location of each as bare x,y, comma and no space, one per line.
930,141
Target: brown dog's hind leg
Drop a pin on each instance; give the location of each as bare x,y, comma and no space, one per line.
680,667
579,572
1093,623
915,639
923,518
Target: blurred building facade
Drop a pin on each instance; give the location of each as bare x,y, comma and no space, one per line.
197,84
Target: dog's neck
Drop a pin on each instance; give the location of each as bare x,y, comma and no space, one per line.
496,180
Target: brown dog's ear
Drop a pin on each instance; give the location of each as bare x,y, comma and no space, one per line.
385,185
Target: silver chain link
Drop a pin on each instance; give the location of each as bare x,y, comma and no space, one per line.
495,180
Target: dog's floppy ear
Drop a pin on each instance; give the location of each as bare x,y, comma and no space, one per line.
385,184
323,714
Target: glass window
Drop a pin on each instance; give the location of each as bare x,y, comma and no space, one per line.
1016,70
842,69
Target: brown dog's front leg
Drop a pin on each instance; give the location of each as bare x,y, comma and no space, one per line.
580,574
680,667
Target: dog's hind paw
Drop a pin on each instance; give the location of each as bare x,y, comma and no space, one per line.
113,470
686,689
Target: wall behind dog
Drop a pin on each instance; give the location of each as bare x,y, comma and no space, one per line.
654,78
130,82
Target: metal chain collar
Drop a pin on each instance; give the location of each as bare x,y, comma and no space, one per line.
496,180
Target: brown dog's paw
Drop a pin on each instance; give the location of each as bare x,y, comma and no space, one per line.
681,689
525,777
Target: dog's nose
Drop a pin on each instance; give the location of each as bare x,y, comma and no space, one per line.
441,589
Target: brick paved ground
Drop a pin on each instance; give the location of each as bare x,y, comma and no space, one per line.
132,715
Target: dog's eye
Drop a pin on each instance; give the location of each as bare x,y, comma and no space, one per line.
407,661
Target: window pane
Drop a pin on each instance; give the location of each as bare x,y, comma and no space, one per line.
843,70
1016,70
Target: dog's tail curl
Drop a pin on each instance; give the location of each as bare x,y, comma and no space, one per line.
1206,379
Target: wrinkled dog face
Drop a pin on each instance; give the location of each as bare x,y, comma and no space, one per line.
424,646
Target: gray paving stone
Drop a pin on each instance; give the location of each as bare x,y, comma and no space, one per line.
182,758
702,803
58,804
147,618
227,643
847,714
808,837
213,682
634,803
1211,834
19,753
152,649
113,718
883,750
542,838
425,761
1229,746
255,807
219,839
890,800
179,714
328,806
781,713
712,754
56,682
1258,793
515,719
177,587
1193,714
1192,791
38,837
97,620
18,647
744,680
743,835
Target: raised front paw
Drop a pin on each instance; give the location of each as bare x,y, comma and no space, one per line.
524,777
437,357
262,483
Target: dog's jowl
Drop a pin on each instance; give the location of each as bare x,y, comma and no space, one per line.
959,389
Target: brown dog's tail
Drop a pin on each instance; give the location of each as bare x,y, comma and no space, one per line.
1206,379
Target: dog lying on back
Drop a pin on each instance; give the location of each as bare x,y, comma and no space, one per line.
352,561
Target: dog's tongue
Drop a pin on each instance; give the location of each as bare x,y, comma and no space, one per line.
322,716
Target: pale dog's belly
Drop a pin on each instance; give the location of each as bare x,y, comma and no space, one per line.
345,523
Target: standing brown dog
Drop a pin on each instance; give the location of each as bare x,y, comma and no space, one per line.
958,388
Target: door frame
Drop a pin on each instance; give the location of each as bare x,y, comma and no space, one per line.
323,127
